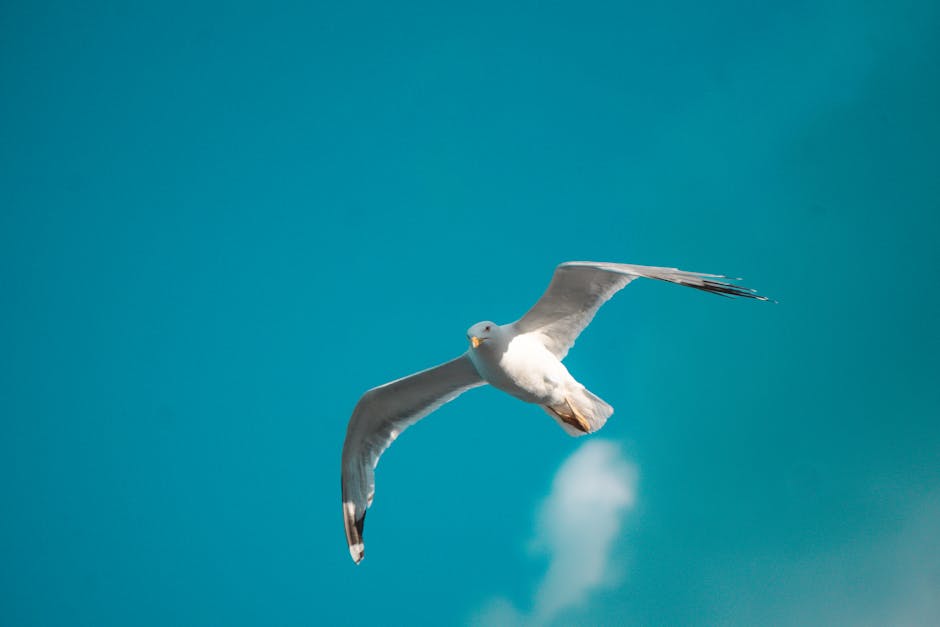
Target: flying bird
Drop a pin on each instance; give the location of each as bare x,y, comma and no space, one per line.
523,358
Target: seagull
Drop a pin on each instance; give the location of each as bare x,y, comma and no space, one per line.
523,359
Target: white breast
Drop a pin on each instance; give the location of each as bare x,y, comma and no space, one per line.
533,371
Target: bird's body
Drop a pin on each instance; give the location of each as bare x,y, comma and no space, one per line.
523,359
520,365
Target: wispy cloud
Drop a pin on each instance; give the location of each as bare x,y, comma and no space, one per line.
576,527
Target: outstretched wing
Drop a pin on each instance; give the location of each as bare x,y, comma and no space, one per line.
380,416
579,288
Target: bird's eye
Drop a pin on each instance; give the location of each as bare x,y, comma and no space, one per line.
487,328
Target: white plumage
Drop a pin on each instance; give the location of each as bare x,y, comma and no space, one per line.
522,359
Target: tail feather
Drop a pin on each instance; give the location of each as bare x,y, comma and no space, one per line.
581,412
592,407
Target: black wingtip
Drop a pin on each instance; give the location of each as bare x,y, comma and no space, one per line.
354,529
358,550
728,289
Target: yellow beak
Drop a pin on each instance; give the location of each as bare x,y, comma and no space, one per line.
475,341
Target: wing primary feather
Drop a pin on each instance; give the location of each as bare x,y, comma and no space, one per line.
354,531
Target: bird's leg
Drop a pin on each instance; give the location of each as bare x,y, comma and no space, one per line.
583,423
570,416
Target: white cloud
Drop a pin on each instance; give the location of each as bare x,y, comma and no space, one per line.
577,525
499,613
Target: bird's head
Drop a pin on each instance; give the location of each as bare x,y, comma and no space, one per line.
481,332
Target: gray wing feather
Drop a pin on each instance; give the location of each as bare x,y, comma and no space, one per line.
579,288
379,417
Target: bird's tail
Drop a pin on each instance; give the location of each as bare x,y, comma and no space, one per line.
581,412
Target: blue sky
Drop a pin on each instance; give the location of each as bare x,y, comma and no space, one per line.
220,224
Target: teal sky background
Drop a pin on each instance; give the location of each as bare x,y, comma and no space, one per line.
221,223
